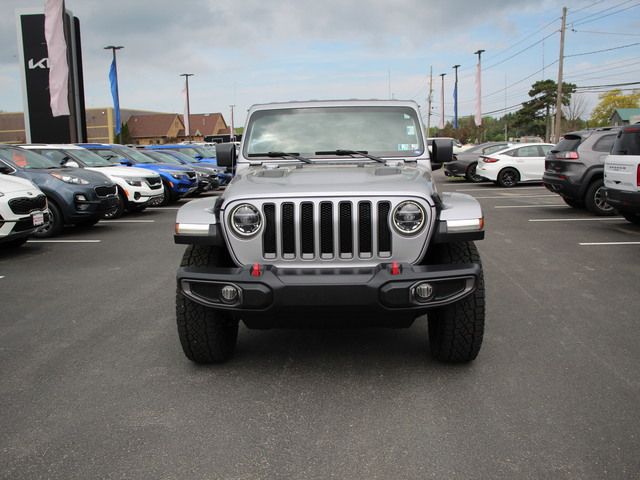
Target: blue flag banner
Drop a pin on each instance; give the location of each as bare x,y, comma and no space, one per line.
455,106
113,78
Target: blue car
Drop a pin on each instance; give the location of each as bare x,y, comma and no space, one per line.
200,153
178,180
184,154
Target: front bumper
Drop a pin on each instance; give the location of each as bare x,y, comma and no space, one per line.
308,293
455,169
623,201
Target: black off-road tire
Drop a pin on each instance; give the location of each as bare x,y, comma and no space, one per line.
508,177
595,202
456,330
631,217
471,174
206,335
56,223
168,195
573,203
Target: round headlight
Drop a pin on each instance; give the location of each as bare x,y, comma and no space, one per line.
246,220
408,217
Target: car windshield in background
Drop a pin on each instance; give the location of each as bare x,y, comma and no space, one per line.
210,150
182,156
91,159
381,131
135,154
192,152
26,159
569,143
163,157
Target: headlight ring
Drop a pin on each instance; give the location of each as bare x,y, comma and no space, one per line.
408,217
245,220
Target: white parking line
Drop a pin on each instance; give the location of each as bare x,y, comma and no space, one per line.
64,241
516,196
127,221
163,208
1,277
531,206
607,219
590,244
480,189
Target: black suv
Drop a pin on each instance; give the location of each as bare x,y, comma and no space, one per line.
75,196
574,168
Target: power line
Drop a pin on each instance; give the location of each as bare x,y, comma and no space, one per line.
610,85
601,11
606,33
585,8
575,24
519,52
603,50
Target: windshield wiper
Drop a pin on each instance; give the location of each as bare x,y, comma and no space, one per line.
281,155
351,153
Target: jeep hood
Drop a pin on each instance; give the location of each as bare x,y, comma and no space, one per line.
331,180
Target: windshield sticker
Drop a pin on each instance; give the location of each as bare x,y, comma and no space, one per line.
403,147
411,130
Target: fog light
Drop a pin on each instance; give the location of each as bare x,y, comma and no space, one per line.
81,198
229,293
423,291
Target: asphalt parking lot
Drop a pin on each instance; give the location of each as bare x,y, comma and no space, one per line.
93,383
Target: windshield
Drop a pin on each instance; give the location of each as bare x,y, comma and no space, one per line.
26,159
134,154
85,157
382,131
204,152
191,152
627,143
182,156
164,157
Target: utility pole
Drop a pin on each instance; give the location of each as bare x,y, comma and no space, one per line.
442,75
558,125
232,132
188,122
429,100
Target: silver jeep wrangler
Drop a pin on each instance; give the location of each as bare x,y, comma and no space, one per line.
332,219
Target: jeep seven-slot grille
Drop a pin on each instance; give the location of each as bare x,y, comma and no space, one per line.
326,230
26,205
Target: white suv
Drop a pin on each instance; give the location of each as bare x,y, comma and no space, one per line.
138,188
622,174
23,210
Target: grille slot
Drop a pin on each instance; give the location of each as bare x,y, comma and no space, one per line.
269,237
26,205
106,191
288,232
346,230
326,229
306,230
364,229
384,232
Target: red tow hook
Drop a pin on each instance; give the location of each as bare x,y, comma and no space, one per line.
255,270
395,268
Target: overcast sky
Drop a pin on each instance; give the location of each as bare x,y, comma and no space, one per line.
255,51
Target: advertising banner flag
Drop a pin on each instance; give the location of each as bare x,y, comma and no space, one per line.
56,57
113,79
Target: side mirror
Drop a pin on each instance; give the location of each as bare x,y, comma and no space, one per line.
199,157
71,163
125,162
226,154
5,169
441,152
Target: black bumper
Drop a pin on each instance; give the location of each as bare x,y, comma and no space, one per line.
562,185
306,293
623,201
455,169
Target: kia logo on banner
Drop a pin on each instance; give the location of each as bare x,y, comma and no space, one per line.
44,63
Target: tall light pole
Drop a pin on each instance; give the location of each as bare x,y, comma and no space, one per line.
232,131
455,98
113,79
442,102
478,116
188,115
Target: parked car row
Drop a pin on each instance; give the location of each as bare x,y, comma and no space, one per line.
45,187
597,169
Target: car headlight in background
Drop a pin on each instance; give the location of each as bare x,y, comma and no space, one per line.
408,217
133,181
70,179
245,220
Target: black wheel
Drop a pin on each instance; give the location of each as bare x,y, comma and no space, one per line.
508,177
118,211
573,203
133,208
456,330
471,175
206,335
168,195
56,223
631,217
595,201
15,243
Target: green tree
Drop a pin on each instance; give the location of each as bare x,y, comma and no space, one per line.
535,114
608,103
124,137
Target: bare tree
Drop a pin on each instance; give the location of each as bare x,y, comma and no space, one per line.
574,111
